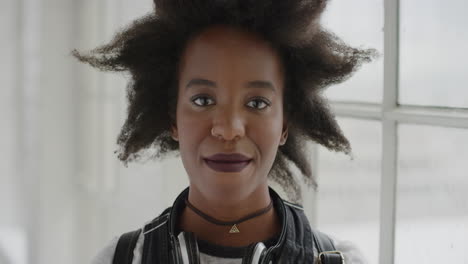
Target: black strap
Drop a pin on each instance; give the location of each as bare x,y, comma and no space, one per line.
124,250
158,246
327,252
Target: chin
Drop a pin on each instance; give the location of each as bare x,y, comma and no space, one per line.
227,186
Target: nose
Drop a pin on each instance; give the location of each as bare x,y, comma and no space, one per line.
228,125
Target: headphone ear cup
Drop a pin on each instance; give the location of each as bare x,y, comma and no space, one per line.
254,253
188,248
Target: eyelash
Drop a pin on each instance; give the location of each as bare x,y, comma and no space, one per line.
266,102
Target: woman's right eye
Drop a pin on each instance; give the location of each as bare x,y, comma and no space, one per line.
202,100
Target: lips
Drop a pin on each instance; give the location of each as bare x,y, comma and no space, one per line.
227,166
233,162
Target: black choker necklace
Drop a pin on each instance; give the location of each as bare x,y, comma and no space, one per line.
234,228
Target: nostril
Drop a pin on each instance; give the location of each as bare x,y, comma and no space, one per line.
226,135
228,127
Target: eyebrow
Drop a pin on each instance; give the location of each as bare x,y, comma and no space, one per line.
252,84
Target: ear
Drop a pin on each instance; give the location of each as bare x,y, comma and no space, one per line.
284,134
174,132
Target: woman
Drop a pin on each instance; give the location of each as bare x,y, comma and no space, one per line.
235,87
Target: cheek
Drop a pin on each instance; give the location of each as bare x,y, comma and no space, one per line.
192,128
189,140
266,133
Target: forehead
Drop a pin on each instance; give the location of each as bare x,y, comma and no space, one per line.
230,54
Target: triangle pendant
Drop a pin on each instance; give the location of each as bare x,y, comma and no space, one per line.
234,229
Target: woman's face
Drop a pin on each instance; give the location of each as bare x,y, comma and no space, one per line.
230,100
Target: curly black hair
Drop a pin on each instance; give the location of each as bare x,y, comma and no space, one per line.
150,50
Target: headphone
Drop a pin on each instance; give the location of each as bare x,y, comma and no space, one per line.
186,250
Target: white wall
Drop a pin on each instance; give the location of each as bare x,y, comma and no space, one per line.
63,193
12,234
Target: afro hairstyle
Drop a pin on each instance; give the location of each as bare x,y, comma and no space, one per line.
314,58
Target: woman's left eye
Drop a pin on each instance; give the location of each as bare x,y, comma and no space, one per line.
258,102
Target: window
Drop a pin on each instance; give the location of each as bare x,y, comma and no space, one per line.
406,117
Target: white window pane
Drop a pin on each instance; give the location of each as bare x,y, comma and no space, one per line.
433,56
360,24
432,204
349,190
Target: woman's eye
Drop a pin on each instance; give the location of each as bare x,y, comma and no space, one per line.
257,103
202,100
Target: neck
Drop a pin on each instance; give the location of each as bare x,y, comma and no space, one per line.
226,209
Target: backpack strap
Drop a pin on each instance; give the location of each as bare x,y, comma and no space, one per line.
158,245
327,252
124,250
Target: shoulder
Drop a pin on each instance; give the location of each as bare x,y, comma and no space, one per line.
106,254
351,252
